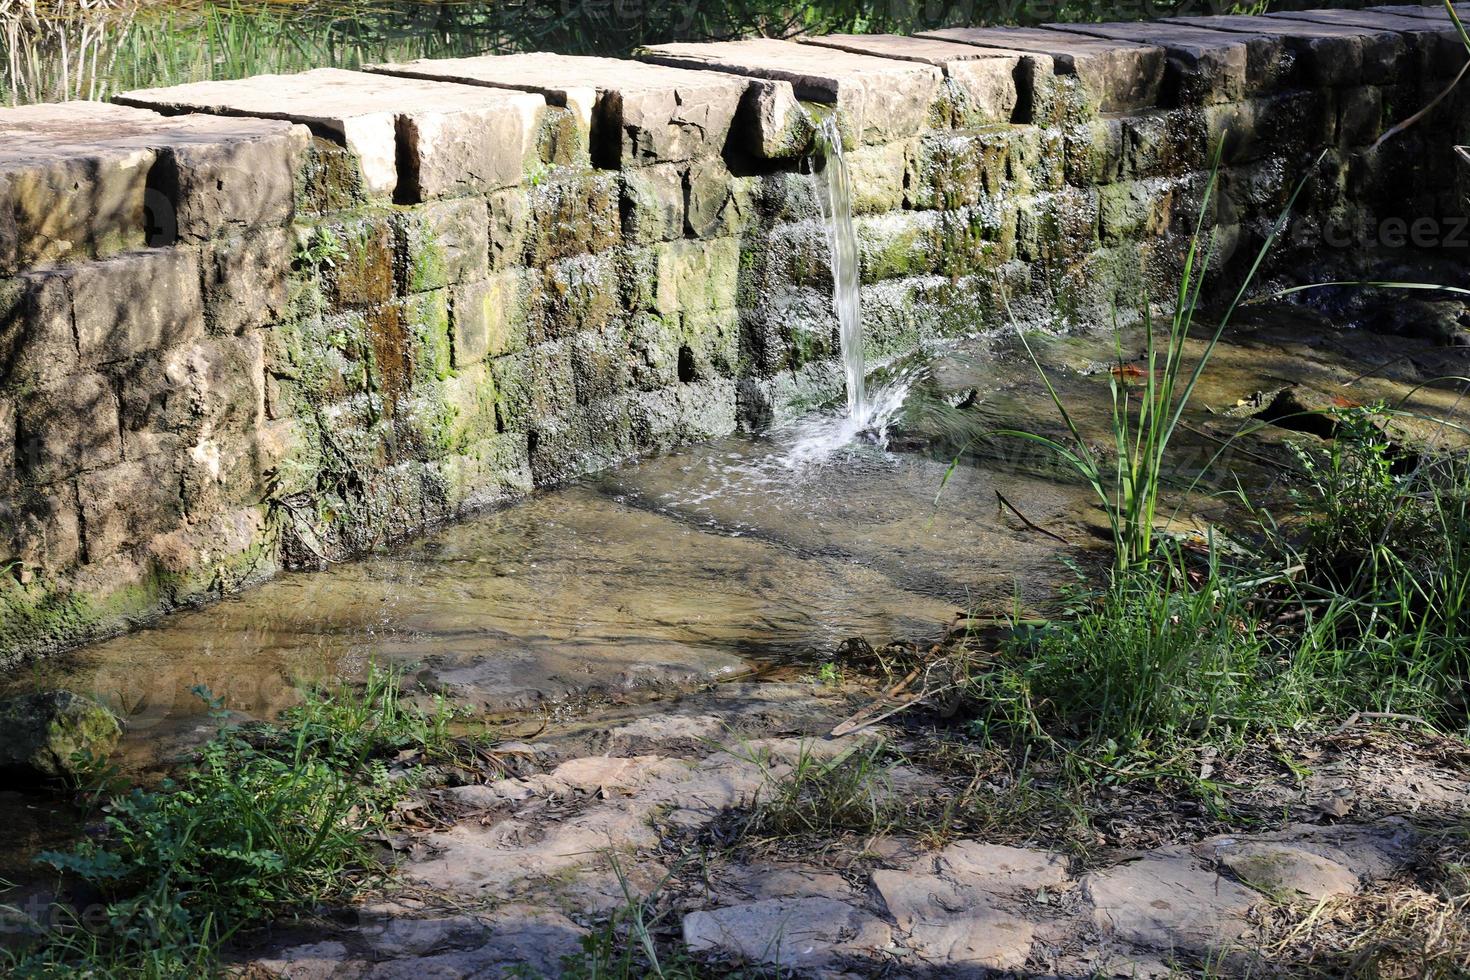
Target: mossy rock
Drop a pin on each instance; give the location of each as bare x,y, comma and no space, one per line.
46,733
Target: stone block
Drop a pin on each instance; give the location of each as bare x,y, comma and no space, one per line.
426,317
634,114
37,341
71,209
509,227
879,175
695,276
489,317
600,367
42,528
446,139
229,186
1134,209
88,179
953,170
652,204
202,401
245,281
1114,75
1300,121
550,379
469,401
712,341
1435,45
123,506
443,243
898,244
364,270
653,344
772,122
1359,115
1159,143
575,294
1204,66
134,303
980,82
1329,54
713,208
67,428
571,215
877,99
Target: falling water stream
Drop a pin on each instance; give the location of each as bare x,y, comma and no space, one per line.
835,192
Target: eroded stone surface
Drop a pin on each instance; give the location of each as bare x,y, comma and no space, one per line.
455,138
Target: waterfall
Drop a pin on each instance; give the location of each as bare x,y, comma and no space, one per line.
835,192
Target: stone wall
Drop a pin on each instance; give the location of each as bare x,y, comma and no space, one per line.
276,322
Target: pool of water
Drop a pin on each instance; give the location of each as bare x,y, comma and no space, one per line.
695,566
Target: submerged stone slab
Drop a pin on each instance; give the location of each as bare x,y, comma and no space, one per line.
1205,66
1331,54
1117,76
878,99
635,113
983,81
87,179
419,138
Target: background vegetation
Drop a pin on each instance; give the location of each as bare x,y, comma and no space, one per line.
90,49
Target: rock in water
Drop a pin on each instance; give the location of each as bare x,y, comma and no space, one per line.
42,733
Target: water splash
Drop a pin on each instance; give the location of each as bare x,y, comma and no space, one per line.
835,193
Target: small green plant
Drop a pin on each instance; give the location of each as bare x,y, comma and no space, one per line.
271,821
322,248
829,674
1154,657
1350,500
1130,484
849,792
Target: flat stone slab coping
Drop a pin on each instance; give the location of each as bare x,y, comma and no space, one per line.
35,133
455,138
1442,51
74,177
1217,66
1434,11
879,98
1119,75
985,77
679,114
1333,54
